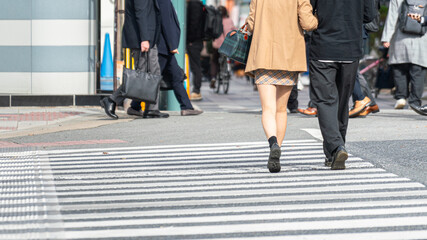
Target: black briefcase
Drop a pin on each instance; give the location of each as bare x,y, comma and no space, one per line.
141,85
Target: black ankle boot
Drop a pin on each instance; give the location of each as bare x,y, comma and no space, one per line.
274,159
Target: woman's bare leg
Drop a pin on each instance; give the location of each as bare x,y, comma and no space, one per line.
282,96
267,94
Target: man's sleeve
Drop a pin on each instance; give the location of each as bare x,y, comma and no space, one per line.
141,13
370,11
168,22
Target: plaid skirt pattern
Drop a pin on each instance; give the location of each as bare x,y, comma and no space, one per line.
275,77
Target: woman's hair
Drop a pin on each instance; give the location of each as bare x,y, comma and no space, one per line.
224,12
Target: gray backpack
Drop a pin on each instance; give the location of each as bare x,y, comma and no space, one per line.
407,24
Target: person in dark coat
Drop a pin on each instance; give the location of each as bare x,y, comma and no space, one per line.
334,58
168,47
195,32
141,33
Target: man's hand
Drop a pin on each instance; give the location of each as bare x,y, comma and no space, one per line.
145,46
386,44
175,51
415,16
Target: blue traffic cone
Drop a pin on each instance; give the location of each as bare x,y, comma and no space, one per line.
107,70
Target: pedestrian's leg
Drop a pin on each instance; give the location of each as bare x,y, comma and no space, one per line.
194,50
282,96
267,95
400,75
177,83
324,93
417,76
345,83
357,91
367,91
293,100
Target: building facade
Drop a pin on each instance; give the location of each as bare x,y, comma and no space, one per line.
48,47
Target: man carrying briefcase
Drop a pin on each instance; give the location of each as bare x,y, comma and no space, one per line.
141,33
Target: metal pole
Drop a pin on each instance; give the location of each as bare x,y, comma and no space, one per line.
116,12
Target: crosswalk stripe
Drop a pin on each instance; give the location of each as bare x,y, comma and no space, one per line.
200,191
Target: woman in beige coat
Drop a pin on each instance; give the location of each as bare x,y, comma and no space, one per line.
276,57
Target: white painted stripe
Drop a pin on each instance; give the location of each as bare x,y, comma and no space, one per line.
63,82
289,142
216,154
392,235
207,173
315,132
118,188
262,227
188,152
197,162
244,200
15,82
245,192
15,33
100,184
249,217
63,32
189,159
291,167
371,213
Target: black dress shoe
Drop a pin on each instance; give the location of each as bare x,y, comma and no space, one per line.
339,157
274,159
422,110
155,114
134,112
109,107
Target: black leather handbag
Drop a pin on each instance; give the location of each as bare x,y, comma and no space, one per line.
141,85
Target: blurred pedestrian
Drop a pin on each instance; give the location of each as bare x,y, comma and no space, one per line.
276,57
195,34
141,33
334,59
168,47
408,59
228,26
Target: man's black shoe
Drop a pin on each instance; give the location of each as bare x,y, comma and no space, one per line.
155,114
109,107
134,112
339,157
420,110
274,159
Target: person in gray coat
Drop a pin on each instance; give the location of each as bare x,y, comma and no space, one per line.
408,59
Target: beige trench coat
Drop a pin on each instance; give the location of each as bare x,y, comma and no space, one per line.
278,39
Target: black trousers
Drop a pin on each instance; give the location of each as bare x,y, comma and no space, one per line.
169,66
293,99
331,85
194,50
409,73
362,89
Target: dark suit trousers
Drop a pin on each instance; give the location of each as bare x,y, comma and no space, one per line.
141,63
331,85
409,73
194,50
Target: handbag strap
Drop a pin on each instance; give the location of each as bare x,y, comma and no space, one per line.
147,60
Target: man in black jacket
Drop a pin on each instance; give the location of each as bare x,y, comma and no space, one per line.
168,47
141,33
334,59
195,32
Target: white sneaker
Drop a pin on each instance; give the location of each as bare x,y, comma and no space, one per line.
400,104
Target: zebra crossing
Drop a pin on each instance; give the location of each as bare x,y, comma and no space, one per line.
204,191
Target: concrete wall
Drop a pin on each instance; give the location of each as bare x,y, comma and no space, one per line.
47,46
